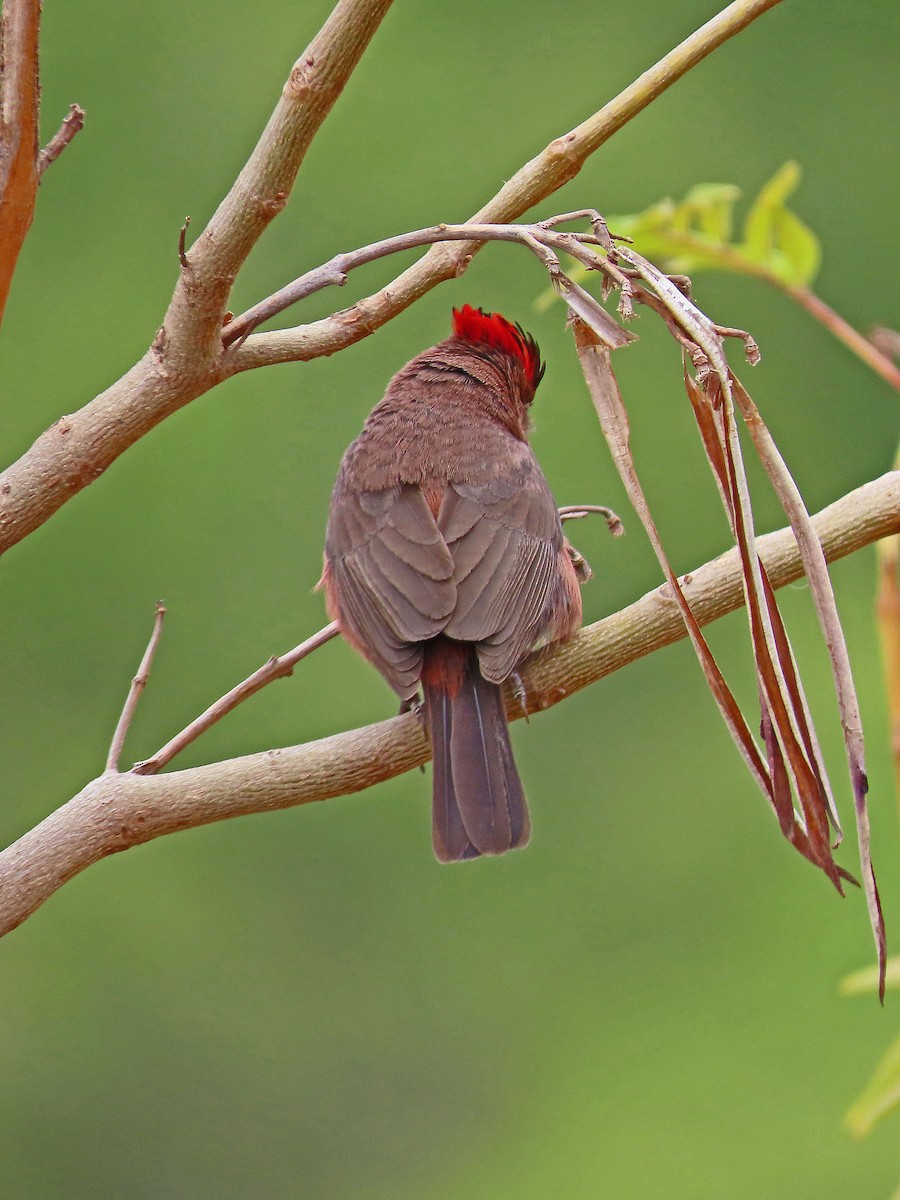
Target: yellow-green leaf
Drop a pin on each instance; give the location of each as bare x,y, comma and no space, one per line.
880,1096
711,206
800,247
695,234
759,227
865,981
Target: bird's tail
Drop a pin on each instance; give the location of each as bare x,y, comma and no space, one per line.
478,803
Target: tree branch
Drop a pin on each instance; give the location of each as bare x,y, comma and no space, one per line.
115,812
867,350
134,692
281,665
71,124
278,667
193,323
187,357
20,93
540,238
557,163
184,360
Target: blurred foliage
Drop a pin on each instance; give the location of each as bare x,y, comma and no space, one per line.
695,234
305,1003
881,1094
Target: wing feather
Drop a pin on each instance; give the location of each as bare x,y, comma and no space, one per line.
504,537
392,577
482,572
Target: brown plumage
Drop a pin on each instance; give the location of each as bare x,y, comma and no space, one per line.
445,563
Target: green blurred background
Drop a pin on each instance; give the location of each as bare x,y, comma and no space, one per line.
305,1004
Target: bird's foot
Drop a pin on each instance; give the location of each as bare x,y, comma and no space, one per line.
415,705
519,693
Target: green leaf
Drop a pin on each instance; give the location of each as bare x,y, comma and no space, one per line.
759,227
695,234
775,237
712,207
800,247
880,1096
863,982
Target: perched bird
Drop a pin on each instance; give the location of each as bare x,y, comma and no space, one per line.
446,565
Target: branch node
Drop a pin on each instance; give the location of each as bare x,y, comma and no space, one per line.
271,206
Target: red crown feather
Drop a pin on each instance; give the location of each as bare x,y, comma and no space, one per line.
490,329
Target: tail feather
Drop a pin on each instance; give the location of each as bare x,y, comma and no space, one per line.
451,842
478,803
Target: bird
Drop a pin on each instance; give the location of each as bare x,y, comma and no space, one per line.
445,564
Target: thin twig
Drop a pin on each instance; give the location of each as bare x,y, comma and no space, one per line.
844,331
134,692
182,242
334,273
54,148
115,812
877,351
277,667
574,512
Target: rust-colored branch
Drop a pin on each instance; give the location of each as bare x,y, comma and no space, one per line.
116,812
19,108
867,350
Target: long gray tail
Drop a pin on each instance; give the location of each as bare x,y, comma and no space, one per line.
478,804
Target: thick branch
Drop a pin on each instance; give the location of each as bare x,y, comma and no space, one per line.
19,106
183,361
77,449
178,367
557,163
116,812
194,320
